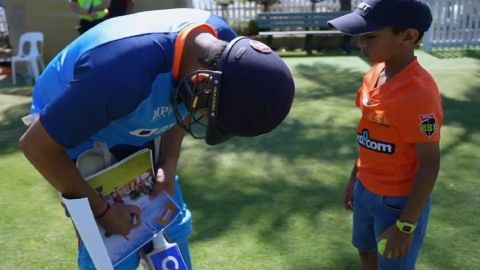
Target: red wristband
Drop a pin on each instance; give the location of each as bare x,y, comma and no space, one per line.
104,212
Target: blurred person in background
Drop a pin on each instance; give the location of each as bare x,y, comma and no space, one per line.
120,8
91,12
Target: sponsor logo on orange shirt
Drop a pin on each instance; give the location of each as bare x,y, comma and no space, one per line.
366,141
428,124
378,117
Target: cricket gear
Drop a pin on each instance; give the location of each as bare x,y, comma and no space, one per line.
372,15
165,255
405,227
196,95
249,94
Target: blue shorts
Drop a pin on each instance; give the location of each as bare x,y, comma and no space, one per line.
373,214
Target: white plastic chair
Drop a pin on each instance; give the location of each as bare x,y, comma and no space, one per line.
34,56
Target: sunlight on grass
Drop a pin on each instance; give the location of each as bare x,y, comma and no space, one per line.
272,202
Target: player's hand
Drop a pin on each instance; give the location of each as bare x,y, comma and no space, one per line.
397,242
165,181
120,218
348,195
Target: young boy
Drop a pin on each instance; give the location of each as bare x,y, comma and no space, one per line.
398,134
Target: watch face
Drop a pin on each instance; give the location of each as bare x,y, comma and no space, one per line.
406,228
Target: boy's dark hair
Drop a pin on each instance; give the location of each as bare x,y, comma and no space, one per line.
210,57
397,30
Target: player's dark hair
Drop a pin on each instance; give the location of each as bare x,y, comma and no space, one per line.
210,56
397,30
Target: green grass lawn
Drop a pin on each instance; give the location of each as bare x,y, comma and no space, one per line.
273,202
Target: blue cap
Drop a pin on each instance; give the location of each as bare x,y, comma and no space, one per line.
372,15
256,92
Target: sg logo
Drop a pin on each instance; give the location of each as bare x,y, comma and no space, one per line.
173,260
167,259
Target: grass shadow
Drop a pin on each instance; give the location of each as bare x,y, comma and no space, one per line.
456,53
316,54
6,84
217,207
463,113
24,91
328,80
291,142
268,205
12,127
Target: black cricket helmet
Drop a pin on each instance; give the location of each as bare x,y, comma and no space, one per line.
249,94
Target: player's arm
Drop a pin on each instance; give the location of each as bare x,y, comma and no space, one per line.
168,156
51,160
54,164
429,158
75,116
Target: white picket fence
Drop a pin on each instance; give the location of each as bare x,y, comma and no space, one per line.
456,23
241,12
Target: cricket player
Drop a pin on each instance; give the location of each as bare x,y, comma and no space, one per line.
135,78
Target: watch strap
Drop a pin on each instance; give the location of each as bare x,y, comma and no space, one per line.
405,227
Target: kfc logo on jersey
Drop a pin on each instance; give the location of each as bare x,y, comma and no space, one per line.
428,124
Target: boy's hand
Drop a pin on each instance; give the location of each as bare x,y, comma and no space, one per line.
397,242
348,195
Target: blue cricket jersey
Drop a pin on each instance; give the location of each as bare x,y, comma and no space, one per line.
114,83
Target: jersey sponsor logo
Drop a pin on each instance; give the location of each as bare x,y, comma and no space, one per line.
161,112
143,132
146,132
364,140
428,124
378,117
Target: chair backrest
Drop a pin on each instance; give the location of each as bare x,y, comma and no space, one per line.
33,41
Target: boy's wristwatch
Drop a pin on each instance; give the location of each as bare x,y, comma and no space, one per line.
405,227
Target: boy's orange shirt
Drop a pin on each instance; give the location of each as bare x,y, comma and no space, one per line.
405,110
